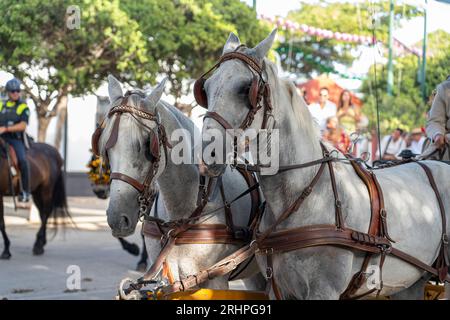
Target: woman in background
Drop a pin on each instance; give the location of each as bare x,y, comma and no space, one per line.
347,113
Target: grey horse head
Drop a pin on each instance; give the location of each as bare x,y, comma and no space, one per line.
130,155
227,91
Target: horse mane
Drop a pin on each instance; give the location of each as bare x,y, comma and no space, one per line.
135,132
303,117
185,122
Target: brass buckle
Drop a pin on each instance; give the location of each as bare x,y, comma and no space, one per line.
445,239
269,273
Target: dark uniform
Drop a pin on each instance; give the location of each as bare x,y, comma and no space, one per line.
11,113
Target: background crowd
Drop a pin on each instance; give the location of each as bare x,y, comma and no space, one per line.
343,123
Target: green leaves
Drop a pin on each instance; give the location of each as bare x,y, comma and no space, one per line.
186,36
406,109
34,33
344,17
134,40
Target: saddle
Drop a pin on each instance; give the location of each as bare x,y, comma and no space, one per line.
13,158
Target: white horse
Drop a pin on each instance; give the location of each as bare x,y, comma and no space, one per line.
178,187
413,214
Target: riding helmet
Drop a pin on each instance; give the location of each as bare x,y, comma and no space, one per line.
13,85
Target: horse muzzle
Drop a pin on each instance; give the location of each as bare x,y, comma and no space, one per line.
121,225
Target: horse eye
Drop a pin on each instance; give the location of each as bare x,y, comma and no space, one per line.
244,90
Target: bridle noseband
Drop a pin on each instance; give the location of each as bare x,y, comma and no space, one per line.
157,139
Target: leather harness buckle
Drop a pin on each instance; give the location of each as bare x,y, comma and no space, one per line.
385,248
269,273
167,235
445,239
383,213
234,263
338,203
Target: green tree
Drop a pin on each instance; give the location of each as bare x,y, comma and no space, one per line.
406,108
313,54
55,58
187,36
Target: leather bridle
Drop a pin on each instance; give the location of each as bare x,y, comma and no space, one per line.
259,92
157,139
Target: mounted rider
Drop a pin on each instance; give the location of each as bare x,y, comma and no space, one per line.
14,114
438,124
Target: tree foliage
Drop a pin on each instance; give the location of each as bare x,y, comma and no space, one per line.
312,54
134,40
186,36
55,61
406,108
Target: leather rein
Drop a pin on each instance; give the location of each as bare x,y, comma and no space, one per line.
192,231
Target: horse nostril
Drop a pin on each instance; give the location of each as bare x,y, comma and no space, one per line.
213,154
124,222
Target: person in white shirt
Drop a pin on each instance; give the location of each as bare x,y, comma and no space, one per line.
416,141
323,109
392,145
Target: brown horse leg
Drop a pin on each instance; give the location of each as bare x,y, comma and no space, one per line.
5,254
45,208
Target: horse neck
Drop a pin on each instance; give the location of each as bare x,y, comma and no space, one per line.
298,144
178,184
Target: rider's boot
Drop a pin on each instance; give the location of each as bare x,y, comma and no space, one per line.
24,197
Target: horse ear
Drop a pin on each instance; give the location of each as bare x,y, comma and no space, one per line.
114,88
264,46
153,98
232,43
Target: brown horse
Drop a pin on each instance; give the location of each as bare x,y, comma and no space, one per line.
47,189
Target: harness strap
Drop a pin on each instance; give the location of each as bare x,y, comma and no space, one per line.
383,230
271,283
442,262
157,265
227,207
257,167
294,206
125,178
214,115
339,220
253,189
321,235
195,234
221,268
377,209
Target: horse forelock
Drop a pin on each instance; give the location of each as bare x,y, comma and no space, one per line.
134,131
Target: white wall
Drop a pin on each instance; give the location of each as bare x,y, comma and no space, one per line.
81,124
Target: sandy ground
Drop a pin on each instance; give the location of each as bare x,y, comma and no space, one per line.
101,260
